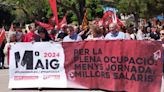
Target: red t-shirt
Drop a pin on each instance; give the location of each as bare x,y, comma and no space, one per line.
29,37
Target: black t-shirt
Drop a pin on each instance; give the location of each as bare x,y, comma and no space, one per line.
155,36
62,35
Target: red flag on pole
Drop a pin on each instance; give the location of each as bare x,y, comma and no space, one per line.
44,25
2,35
63,22
120,23
51,20
54,10
107,18
11,27
110,17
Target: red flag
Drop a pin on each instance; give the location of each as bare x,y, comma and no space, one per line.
44,25
108,19
11,27
63,22
2,35
107,15
54,10
51,20
120,23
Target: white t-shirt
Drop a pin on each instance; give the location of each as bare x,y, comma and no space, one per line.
119,35
90,37
127,36
133,36
140,35
68,39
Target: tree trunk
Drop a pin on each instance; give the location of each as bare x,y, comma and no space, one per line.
78,16
26,13
82,10
136,17
78,11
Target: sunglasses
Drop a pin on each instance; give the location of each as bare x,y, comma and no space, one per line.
162,34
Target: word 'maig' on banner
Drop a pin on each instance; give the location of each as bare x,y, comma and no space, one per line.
132,66
35,67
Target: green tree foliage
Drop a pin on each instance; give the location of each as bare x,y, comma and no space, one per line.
77,8
95,9
6,16
30,10
72,7
140,8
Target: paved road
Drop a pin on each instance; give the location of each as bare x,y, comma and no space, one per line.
4,86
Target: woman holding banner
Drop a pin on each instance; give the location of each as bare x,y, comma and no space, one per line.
11,39
96,33
43,35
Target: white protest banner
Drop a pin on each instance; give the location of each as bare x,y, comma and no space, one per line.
37,65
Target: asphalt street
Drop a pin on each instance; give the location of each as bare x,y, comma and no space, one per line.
4,86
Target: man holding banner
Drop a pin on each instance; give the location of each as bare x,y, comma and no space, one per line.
72,35
114,34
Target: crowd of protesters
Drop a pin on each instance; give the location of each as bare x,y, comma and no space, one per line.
70,33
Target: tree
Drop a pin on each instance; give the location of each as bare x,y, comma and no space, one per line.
29,10
95,9
6,16
154,7
140,8
78,7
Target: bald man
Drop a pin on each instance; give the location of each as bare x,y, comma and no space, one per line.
114,34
